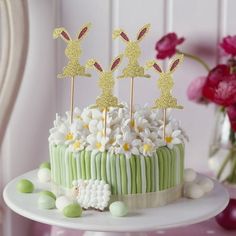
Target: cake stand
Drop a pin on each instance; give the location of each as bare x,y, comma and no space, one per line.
180,213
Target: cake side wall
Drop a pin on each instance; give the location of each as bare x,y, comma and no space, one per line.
137,174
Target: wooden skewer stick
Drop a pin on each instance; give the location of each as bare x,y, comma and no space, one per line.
164,125
131,99
105,122
72,90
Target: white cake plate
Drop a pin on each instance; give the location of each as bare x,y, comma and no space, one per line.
180,213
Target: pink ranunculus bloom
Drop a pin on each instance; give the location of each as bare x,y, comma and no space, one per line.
228,44
194,90
166,46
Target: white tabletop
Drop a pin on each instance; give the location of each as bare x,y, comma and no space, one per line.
180,213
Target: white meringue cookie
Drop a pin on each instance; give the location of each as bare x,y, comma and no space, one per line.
189,175
44,175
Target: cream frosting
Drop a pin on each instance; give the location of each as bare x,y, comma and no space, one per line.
142,136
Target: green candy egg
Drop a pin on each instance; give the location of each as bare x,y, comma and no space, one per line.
45,165
118,209
48,193
46,202
73,210
25,186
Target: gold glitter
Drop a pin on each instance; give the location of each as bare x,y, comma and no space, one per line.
132,52
106,83
166,84
73,52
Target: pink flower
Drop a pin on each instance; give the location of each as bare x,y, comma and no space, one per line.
166,46
231,111
229,45
194,90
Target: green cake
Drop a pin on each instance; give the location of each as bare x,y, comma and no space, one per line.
134,160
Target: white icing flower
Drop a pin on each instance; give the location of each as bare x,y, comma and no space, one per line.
128,145
172,136
97,142
78,145
147,147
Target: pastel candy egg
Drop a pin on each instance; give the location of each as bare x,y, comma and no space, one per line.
46,202
45,165
189,175
44,175
72,210
25,186
118,209
206,184
194,191
62,202
48,193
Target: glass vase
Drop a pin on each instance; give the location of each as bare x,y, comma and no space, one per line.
222,151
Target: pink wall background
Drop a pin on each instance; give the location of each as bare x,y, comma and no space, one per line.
202,22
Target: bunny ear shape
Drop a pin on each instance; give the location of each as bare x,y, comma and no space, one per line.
142,32
154,65
83,31
176,62
116,62
90,63
61,32
120,33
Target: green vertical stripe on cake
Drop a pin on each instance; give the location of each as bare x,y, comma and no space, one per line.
167,163
93,166
82,164
133,168
138,175
78,165
152,173
123,174
51,160
172,168
87,164
143,174
108,168
118,174
128,172
75,177
63,166
156,171
70,169
52,157
161,167
58,165
103,166
66,168
181,148
98,165
148,174
178,164
113,174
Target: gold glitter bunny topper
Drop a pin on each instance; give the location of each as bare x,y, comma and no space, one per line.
132,52
106,83
73,52
166,83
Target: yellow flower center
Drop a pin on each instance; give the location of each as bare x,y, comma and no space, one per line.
126,147
147,147
168,139
86,126
111,141
69,136
132,123
98,145
76,144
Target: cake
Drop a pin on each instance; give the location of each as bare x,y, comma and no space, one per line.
137,151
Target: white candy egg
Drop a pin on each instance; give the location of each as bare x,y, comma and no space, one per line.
62,202
206,184
189,175
194,191
44,175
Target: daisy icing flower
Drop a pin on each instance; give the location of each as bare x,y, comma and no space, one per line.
147,147
128,145
172,136
97,142
78,145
